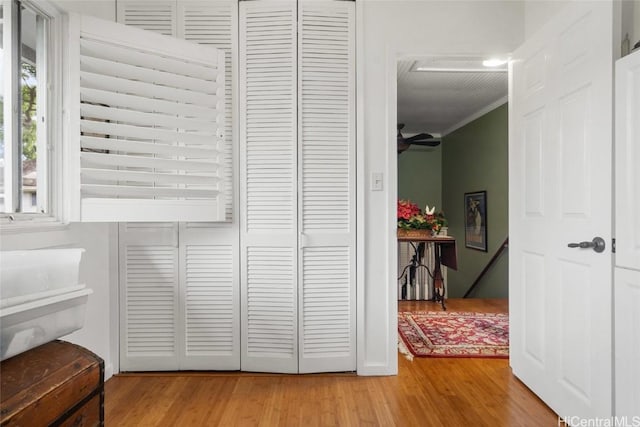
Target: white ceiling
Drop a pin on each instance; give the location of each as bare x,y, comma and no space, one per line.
437,102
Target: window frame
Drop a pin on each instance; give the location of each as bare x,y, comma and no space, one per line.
50,147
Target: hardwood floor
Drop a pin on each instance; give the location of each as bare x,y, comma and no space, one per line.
426,392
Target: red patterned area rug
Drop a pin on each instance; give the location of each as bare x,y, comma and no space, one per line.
451,334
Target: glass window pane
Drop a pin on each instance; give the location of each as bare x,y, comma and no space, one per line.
29,92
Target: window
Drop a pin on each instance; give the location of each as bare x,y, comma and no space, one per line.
24,135
141,137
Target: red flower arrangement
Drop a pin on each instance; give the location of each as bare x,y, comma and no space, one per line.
410,216
406,210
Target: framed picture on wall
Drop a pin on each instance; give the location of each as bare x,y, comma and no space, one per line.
475,223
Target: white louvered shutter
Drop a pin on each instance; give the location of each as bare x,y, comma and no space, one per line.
145,125
326,133
149,296
206,22
158,16
268,186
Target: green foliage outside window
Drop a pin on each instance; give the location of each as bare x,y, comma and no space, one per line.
29,119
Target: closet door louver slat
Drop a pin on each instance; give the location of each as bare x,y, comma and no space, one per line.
210,315
326,161
268,185
153,77
148,297
158,16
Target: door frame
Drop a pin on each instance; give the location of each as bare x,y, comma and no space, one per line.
393,56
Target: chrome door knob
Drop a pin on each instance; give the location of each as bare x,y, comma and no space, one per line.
597,244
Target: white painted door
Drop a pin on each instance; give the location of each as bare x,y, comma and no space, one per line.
205,319
179,298
627,275
326,185
149,296
560,153
297,112
268,186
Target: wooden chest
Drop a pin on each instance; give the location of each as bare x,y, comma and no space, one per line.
58,383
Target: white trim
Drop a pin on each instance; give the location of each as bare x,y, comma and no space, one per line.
391,211
29,223
114,301
481,112
11,91
51,220
361,369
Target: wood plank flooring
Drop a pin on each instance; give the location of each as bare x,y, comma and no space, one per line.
427,392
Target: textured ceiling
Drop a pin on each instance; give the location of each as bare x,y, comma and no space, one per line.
435,101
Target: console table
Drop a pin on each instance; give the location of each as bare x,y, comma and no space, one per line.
444,254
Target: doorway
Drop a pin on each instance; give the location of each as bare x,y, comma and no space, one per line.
452,152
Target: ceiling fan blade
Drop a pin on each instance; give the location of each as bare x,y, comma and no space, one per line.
419,136
402,147
427,142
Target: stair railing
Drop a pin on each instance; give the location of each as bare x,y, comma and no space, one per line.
493,259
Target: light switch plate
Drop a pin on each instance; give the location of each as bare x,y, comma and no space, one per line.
376,181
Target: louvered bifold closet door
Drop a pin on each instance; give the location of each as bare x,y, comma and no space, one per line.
208,285
149,296
209,252
268,186
145,125
326,161
215,23
209,300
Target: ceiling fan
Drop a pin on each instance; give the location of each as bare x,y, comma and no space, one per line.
424,139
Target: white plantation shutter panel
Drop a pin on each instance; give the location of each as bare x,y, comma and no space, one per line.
268,185
146,125
326,123
149,309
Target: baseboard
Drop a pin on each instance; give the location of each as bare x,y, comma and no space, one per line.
108,371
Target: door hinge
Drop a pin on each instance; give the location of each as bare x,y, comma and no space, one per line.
613,245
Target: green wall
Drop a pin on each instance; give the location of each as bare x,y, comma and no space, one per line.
475,158
420,176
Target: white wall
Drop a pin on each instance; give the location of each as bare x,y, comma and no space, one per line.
389,30
539,12
97,268
94,273
636,22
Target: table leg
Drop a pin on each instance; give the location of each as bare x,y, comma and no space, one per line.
438,280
